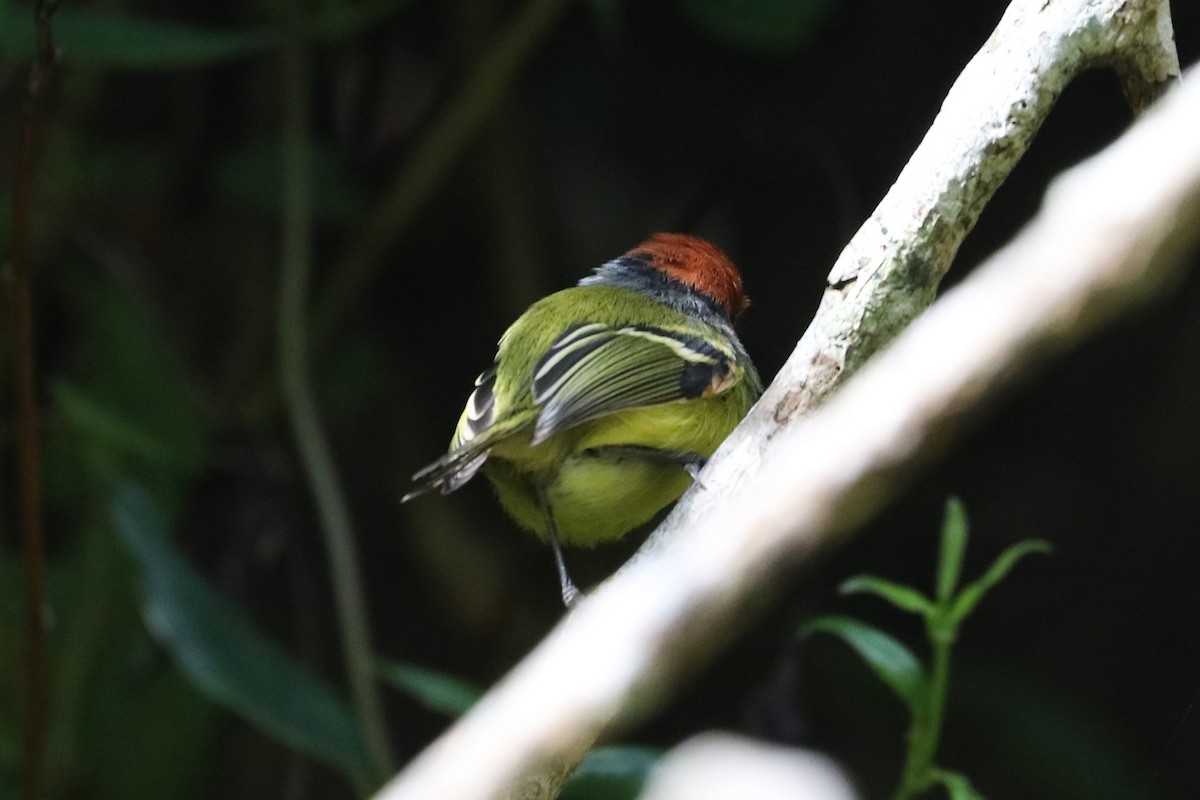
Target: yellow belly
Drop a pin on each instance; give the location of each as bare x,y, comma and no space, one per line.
595,499
597,494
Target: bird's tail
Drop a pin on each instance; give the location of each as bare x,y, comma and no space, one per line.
449,472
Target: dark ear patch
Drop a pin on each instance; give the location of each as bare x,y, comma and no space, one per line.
695,379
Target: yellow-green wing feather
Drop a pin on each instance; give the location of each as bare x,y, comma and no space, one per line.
580,354
594,369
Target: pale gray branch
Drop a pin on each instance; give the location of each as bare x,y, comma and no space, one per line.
719,766
1112,232
890,270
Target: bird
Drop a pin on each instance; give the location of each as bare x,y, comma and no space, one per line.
606,399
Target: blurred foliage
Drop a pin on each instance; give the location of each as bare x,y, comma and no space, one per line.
126,411
224,656
100,39
771,126
436,691
249,180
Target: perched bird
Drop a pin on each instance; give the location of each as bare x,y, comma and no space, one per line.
607,398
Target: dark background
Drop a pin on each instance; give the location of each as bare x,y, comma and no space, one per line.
157,237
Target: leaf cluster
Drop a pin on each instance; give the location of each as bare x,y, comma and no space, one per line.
921,689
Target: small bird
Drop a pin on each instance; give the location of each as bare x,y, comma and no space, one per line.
606,399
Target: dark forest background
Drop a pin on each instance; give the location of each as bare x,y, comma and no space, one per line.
770,126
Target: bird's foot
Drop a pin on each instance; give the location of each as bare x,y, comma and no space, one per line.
693,468
571,595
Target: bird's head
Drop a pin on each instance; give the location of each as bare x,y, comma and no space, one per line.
698,264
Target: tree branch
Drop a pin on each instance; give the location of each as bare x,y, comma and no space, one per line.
29,461
779,491
717,766
890,270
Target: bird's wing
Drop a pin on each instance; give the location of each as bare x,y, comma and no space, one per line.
480,412
478,429
594,369
590,370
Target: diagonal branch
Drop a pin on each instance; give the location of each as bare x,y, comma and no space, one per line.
779,491
1097,250
890,270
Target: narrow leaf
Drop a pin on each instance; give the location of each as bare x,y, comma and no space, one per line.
109,426
114,41
131,368
612,773
957,786
903,597
894,663
971,594
954,546
224,655
434,690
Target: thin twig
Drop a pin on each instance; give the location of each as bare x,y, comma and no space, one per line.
28,439
311,441
439,148
502,179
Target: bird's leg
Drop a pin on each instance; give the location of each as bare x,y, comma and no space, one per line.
570,592
692,463
693,468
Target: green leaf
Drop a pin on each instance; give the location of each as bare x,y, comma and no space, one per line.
612,773
954,546
129,409
109,40
108,427
224,655
971,594
1057,740
894,663
759,24
903,597
434,690
124,750
114,692
129,366
957,785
